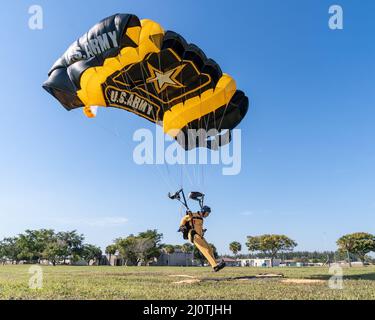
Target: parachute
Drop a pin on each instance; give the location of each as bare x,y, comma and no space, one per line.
134,65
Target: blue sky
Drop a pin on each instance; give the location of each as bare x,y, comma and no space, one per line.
307,142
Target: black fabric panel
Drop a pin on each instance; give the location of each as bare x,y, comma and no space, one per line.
196,55
213,69
224,118
174,41
60,86
192,53
64,76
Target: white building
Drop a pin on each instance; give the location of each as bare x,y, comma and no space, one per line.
259,262
231,262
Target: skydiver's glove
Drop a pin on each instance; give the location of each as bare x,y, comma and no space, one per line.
182,229
185,232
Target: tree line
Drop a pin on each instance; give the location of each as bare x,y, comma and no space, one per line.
36,246
66,247
351,247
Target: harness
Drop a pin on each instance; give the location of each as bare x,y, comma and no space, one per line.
193,233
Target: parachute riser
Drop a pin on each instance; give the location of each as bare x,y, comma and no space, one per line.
177,196
196,196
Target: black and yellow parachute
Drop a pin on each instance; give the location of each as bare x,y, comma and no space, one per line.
134,65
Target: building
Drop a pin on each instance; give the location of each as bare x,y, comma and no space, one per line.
259,262
176,259
231,262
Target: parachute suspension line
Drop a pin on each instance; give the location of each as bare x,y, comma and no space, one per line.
144,80
185,167
225,110
201,121
166,176
183,170
122,140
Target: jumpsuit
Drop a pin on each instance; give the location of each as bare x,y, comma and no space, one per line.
196,236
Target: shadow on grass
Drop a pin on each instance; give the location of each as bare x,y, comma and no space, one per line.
256,277
364,276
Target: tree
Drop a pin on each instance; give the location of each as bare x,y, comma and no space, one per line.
140,249
54,251
270,244
168,248
2,253
32,243
144,249
11,249
359,244
235,247
187,247
126,249
151,243
73,244
91,253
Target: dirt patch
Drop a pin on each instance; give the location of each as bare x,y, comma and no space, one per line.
302,281
189,281
181,276
193,280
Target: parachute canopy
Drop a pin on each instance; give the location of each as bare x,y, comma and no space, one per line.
134,65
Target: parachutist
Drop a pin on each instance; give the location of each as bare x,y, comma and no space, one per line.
192,227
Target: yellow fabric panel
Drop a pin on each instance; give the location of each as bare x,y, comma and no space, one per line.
180,115
133,33
93,86
85,77
149,29
92,78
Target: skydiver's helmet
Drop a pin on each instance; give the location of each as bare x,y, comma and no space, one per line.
205,211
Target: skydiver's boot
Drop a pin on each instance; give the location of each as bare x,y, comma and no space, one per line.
220,266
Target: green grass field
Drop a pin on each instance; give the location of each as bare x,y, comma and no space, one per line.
65,282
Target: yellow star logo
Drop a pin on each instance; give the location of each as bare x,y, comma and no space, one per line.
162,80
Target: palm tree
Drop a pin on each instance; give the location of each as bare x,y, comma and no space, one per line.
235,247
187,247
110,250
